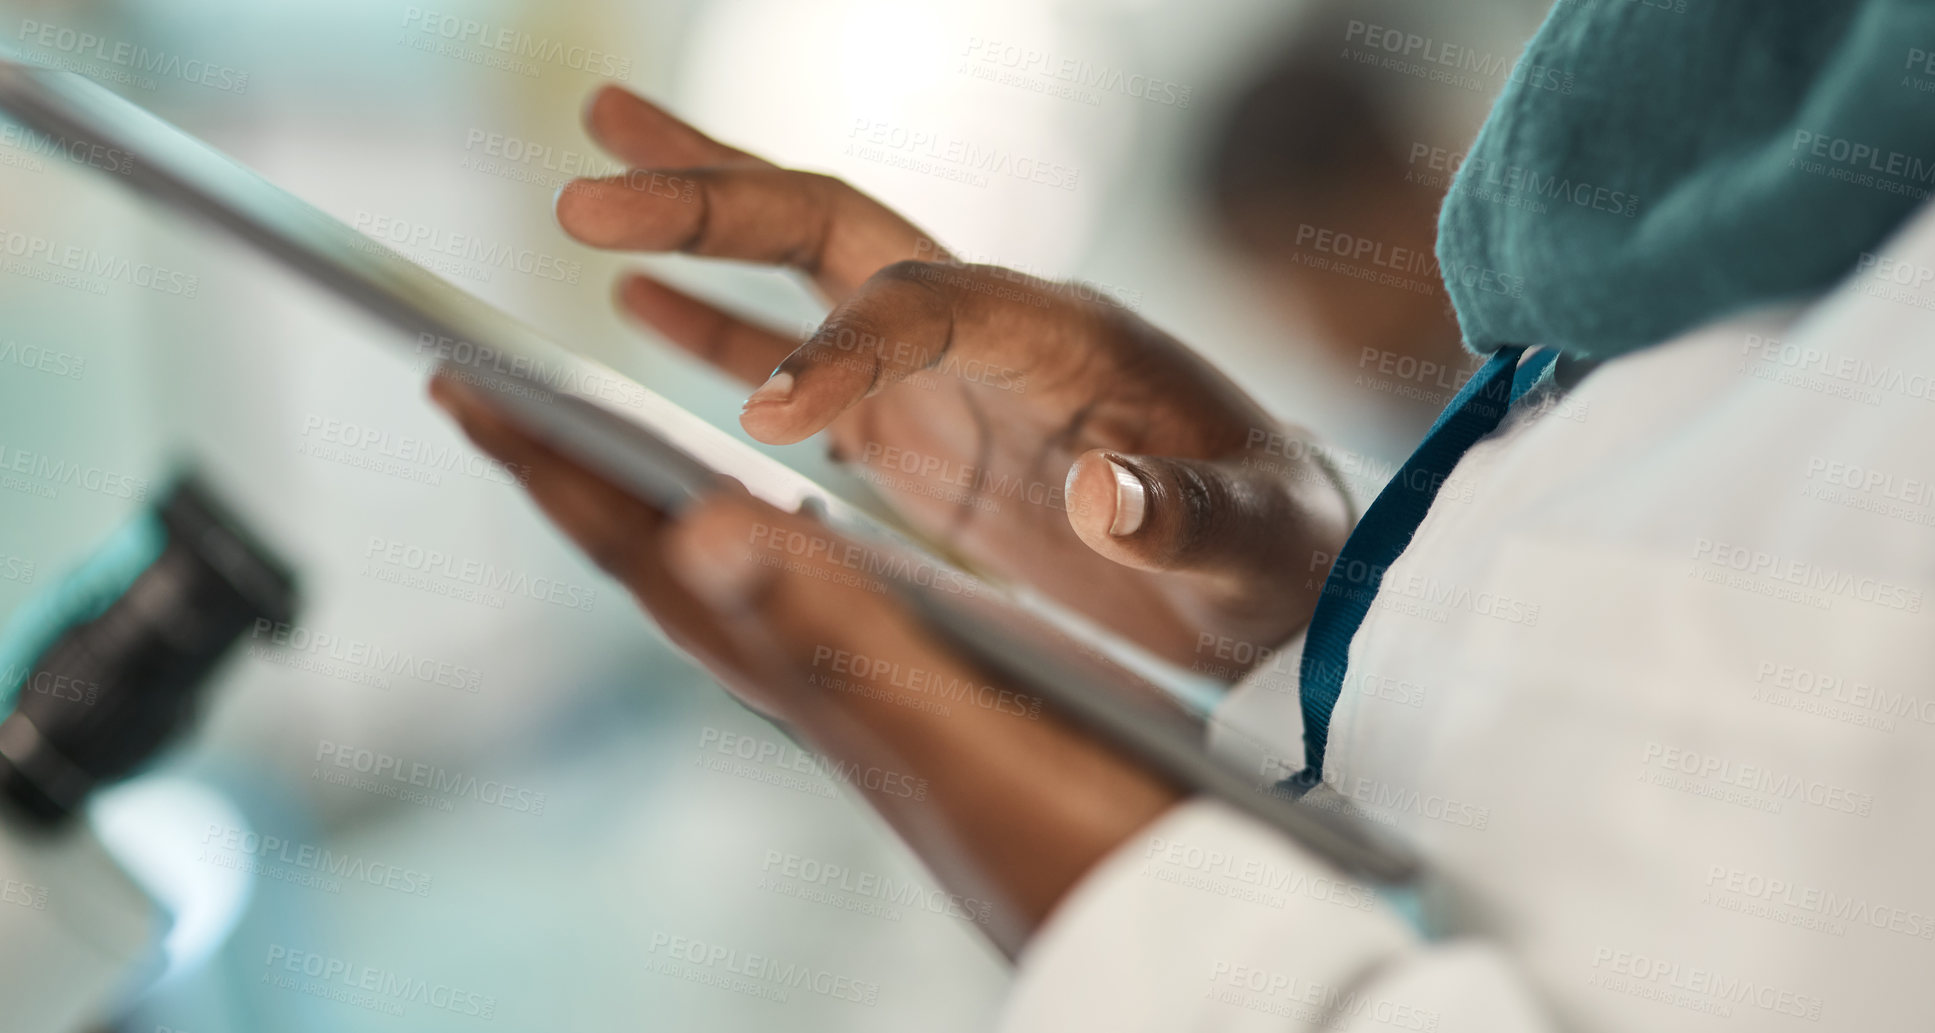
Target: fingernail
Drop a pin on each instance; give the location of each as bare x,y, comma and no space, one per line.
775,390
717,567
1131,501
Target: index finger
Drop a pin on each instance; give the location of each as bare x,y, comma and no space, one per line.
643,135
752,212
694,194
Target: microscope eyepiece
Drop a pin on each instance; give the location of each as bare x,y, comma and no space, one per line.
106,668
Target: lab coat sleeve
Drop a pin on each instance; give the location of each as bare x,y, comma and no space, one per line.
1210,921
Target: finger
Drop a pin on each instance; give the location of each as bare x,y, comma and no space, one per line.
863,667
621,534
612,527
813,223
796,600
643,135
735,346
803,601
801,586
910,317
1223,519
486,427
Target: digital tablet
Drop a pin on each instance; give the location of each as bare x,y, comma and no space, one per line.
652,448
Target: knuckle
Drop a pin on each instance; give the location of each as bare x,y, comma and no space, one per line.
613,554
1202,506
988,273
859,315
903,290
907,271
846,337
1105,322
821,183
1116,323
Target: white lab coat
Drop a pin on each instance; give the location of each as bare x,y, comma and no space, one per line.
1651,691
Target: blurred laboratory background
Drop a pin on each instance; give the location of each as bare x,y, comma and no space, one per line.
522,798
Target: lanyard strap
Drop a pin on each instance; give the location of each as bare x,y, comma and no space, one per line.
1384,531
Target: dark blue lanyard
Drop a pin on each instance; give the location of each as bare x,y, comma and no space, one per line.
1386,529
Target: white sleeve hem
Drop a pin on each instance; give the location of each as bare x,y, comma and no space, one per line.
1205,920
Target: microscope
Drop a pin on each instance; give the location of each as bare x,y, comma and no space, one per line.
97,677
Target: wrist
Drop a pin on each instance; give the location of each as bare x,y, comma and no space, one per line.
1017,805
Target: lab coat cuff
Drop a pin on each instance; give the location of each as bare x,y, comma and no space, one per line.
1205,920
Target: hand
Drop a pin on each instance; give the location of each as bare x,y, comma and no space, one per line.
1003,802
1046,436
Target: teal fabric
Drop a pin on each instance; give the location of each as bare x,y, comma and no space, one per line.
1657,164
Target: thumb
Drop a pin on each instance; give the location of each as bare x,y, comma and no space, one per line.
1230,519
